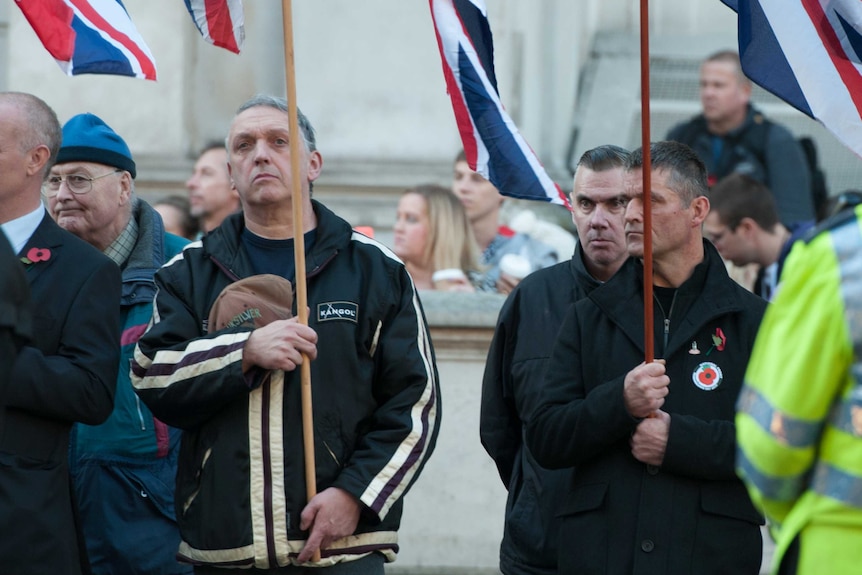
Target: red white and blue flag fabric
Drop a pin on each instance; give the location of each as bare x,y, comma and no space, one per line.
492,143
809,54
220,22
90,37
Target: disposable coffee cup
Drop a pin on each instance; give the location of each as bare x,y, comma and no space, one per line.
448,278
516,266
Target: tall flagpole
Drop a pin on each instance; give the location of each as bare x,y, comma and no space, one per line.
299,253
649,353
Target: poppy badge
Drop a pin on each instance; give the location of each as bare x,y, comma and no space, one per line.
707,376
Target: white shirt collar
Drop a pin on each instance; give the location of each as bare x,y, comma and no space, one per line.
19,230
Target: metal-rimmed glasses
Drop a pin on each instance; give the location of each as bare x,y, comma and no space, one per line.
76,183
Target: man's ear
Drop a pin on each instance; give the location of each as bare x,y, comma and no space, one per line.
700,209
747,226
125,187
37,158
315,165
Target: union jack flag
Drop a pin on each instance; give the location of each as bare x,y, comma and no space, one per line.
809,54
220,22
90,37
492,143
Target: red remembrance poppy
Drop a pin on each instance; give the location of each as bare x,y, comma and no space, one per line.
719,339
38,254
707,376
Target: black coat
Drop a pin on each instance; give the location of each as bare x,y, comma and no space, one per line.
15,314
691,515
376,397
68,374
514,372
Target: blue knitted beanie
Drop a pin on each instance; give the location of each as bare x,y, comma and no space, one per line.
86,138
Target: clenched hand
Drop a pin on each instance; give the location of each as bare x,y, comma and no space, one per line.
331,514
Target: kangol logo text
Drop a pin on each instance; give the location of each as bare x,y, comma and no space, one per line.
337,310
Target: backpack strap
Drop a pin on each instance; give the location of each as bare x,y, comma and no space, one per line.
755,137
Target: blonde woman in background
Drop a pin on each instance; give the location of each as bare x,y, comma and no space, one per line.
434,239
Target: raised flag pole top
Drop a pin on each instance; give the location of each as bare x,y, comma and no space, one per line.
649,353
299,253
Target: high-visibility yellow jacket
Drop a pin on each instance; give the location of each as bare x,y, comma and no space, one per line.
799,420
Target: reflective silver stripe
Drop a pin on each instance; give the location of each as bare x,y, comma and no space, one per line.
837,484
847,241
775,488
847,415
787,430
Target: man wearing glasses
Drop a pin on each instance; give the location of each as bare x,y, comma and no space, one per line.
123,470
67,373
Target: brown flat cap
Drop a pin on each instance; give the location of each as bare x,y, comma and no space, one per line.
252,302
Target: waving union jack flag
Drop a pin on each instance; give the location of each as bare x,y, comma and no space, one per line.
90,37
492,143
809,54
220,22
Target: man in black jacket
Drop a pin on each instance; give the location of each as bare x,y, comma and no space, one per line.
525,334
236,390
68,372
654,489
15,314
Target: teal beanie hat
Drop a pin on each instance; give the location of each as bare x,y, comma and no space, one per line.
86,138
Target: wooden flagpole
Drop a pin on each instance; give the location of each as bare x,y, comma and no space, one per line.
299,252
649,353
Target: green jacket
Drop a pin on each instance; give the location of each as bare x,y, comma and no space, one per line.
799,420
132,433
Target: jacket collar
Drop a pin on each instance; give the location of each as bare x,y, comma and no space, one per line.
51,236
148,255
222,245
750,115
708,293
582,277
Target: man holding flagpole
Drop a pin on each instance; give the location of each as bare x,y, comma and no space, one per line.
523,340
235,388
654,488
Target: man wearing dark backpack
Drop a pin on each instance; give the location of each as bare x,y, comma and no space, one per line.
731,136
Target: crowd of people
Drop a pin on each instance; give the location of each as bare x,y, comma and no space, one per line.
153,359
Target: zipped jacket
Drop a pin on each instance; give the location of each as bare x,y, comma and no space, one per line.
621,516
798,428
131,457
131,432
240,484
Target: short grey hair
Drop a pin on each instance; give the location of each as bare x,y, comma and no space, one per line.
43,128
603,158
686,171
277,103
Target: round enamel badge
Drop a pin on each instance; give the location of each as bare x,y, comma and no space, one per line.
707,376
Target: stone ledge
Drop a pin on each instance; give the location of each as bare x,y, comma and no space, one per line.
462,324
440,571
461,310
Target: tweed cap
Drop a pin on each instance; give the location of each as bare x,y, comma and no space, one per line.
253,302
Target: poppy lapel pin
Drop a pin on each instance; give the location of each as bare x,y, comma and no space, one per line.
718,341
35,255
707,376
